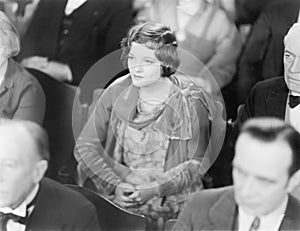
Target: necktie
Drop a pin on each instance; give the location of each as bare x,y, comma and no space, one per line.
255,224
5,217
294,101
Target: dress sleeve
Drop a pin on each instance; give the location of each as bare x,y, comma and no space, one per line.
196,151
94,162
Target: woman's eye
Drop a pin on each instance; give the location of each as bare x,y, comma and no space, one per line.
149,61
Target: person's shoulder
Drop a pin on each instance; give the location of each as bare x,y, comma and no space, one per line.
213,193
270,83
66,197
207,198
21,77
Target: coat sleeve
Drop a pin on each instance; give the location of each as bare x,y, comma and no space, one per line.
197,151
32,103
94,162
250,66
222,64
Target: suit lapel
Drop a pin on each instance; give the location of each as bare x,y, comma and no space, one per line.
276,101
223,214
291,220
43,218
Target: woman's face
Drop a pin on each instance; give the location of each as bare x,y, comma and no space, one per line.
144,67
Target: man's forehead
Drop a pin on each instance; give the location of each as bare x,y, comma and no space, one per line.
15,139
252,152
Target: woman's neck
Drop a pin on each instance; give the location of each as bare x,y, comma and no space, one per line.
157,92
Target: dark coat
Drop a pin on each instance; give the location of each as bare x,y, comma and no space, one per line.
96,29
60,208
216,210
263,54
267,98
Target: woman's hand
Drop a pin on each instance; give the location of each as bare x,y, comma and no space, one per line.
122,195
145,192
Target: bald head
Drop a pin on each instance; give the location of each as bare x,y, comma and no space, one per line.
291,59
23,159
25,134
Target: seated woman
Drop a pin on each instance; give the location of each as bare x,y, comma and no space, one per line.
146,144
21,96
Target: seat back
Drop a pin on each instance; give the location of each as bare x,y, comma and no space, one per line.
58,123
111,216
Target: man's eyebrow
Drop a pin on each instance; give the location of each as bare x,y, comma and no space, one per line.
287,51
262,178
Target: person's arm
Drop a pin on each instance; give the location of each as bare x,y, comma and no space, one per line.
121,20
250,65
222,65
183,175
94,162
32,103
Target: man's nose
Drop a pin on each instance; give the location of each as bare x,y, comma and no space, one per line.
247,187
295,68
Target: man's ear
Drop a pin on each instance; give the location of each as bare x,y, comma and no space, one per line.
294,181
40,170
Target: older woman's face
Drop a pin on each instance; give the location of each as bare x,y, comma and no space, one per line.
144,67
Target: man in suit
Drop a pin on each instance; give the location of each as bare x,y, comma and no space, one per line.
262,56
278,96
64,38
265,163
27,200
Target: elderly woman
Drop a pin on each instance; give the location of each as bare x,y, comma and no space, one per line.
21,96
146,144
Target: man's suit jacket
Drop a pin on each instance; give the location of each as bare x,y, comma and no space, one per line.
216,210
60,208
267,98
94,29
263,54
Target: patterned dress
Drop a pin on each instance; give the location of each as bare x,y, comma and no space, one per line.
143,151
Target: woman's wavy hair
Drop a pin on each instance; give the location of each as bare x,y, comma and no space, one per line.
157,37
9,36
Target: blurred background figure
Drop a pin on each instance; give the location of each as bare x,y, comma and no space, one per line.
205,34
265,163
65,38
28,200
21,96
263,51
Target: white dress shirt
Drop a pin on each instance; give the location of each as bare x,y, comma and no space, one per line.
73,5
21,211
293,114
270,222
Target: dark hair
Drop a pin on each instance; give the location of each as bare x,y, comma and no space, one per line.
269,130
157,37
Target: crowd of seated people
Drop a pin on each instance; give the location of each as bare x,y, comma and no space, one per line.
154,132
